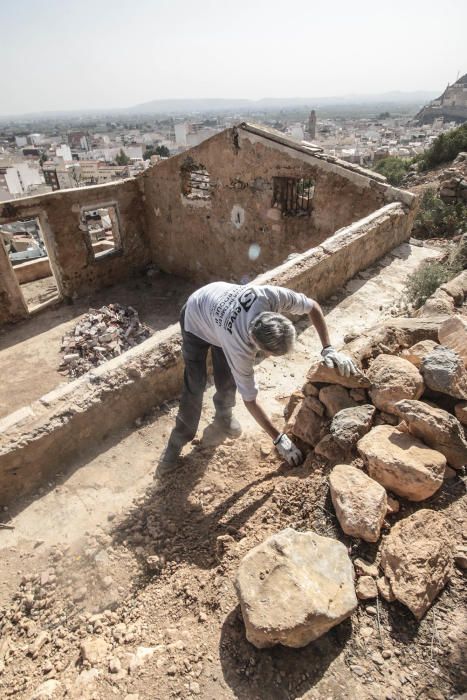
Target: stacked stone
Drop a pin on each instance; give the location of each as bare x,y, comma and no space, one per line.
100,335
397,429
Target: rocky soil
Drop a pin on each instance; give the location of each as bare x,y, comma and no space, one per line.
145,607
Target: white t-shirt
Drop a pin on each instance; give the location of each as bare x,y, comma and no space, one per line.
221,313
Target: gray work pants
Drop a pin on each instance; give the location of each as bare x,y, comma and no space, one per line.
195,351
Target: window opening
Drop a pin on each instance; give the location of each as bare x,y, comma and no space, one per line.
102,227
293,196
196,181
24,242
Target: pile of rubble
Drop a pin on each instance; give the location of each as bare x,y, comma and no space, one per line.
396,431
100,335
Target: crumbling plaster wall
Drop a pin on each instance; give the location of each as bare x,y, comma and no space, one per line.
12,304
210,239
69,247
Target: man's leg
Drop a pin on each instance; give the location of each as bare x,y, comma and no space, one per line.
194,352
224,398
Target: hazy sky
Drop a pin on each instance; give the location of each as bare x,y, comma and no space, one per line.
116,53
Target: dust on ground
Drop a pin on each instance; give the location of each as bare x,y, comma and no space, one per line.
157,573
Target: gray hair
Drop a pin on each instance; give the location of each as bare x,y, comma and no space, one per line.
273,333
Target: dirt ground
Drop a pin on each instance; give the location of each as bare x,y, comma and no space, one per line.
104,552
36,341
39,291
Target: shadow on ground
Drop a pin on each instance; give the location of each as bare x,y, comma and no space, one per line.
279,673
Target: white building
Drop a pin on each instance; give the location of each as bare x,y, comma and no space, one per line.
181,133
64,151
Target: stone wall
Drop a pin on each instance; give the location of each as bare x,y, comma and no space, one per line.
209,239
76,270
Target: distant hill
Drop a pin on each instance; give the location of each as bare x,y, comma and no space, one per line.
187,106
214,105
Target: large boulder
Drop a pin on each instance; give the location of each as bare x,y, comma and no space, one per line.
443,370
359,501
437,428
417,559
402,463
453,334
305,423
319,372
294,587
335,398
393,379
350,424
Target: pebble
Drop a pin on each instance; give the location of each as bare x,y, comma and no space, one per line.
358,670
115,665
371,610
386,653
377,658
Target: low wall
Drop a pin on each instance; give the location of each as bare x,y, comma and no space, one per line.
43,438
33,270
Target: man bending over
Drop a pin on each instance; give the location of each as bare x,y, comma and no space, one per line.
235,322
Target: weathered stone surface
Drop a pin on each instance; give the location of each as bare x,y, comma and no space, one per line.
457,287
328,448
304,423
402,463
350,424
440,303
443,370
417,352
93,649
358,395
437,428
48,690
294,587
360,502
294,400
316,405
335,398
319,372
453,334
366,588
310,389
392,379
365,568
417,559
461,412
384,589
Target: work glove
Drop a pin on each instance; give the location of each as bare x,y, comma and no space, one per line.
339,360
288,450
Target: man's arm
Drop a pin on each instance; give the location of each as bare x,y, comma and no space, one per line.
261,418
331,358
317,319
282,442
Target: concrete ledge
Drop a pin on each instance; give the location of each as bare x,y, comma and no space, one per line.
33,270
39,440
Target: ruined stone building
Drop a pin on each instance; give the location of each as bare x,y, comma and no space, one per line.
247,204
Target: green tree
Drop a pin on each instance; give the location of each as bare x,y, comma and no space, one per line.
162,151
122,158
395,169
444,148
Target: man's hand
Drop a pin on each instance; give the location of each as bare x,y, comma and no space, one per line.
288,450
339,360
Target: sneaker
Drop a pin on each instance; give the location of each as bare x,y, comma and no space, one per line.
228,424
168,461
